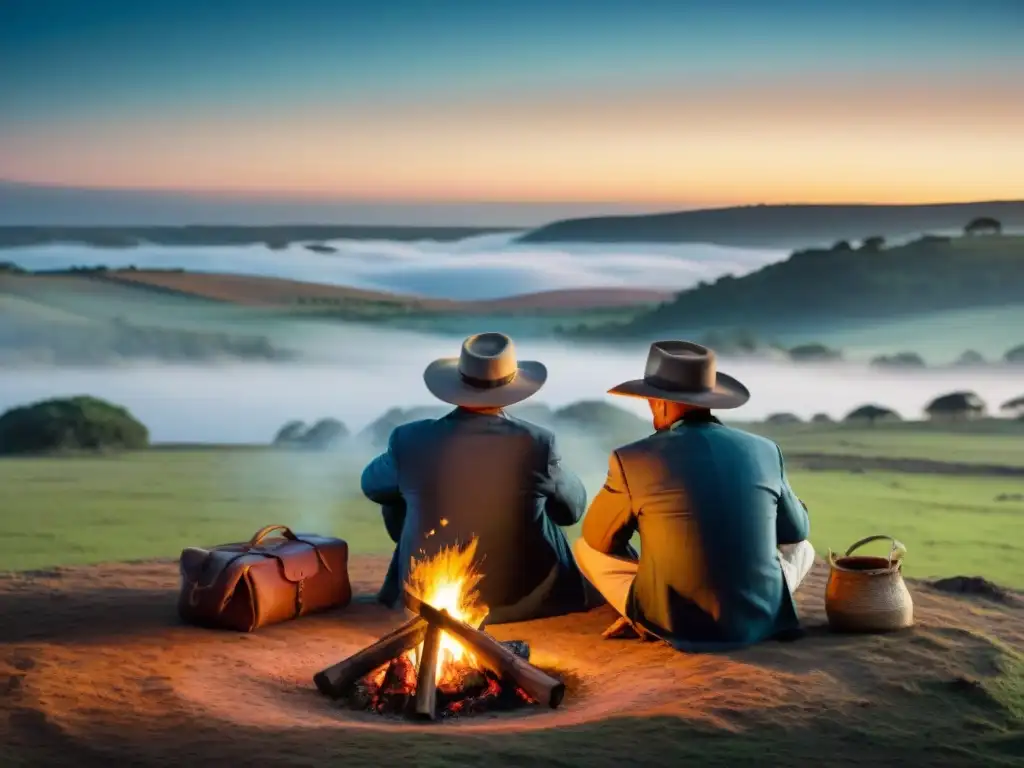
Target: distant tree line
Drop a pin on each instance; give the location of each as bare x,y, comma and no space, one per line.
960,405
91,424
98,343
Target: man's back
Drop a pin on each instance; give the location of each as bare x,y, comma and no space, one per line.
497,479
711,505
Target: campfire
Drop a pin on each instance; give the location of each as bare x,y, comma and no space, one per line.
441,663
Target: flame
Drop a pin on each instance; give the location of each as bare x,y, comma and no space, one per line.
448,581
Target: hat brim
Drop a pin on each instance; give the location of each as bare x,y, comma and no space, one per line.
727,393
444,382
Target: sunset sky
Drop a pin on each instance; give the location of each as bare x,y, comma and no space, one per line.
635,102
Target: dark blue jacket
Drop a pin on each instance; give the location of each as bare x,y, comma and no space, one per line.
711,504
489,476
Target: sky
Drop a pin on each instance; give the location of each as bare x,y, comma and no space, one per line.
634,102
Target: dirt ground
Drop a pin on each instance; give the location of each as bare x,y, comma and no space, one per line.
95,668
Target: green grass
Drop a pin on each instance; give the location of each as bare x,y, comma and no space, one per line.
998,442
60,511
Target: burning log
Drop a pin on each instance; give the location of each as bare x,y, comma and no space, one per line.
337,679
539,685
426,675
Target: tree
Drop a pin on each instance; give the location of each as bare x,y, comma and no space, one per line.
871,414
955,406
325,434
1015,356
76,423
290,433
970,358
1014,405
899,360
821,418
983,225
598,416
874,243
842,245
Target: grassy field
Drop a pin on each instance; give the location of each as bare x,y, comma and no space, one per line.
993,442
59,511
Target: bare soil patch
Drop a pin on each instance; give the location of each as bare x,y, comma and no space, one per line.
255,291
95,667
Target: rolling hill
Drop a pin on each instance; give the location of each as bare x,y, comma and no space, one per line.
826,289
787,226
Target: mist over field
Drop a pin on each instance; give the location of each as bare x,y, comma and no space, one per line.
484,267
382,369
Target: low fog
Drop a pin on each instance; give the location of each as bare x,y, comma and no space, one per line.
377,370
484,267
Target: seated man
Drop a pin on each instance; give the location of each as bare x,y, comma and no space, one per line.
478,472
723,538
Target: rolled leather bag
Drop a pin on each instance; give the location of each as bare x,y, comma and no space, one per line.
264,581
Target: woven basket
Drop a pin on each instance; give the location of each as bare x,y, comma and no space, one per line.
868,594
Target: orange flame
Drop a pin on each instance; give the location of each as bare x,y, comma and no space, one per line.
448,581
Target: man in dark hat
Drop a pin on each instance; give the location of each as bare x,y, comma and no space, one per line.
479,473
723,538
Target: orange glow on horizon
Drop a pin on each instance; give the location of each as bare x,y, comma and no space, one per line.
804,142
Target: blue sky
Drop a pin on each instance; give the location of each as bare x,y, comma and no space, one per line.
118,79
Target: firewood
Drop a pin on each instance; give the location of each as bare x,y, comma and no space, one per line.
539,685
426,675
520,648
335,680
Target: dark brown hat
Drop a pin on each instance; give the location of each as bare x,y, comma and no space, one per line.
684,372
485,375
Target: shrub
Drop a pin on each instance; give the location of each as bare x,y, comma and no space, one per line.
970,357
813,352
782,418
76,423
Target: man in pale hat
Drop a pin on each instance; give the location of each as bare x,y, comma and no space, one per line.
481,473
723,538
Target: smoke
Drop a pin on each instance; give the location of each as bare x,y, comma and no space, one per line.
489,266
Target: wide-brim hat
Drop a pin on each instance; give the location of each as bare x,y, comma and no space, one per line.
486,374
685,372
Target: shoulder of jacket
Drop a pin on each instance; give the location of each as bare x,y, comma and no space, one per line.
402,431
541,433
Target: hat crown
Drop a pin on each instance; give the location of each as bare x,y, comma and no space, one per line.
488,359
681,366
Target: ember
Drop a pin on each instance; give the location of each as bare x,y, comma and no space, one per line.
441,662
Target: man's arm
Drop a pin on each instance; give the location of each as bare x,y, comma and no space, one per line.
565,496
380,485
611,521
793,524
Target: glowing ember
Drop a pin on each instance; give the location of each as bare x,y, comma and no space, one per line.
448,581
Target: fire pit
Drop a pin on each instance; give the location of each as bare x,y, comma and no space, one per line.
441,663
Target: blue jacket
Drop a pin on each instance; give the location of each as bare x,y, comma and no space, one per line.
711,505
489,476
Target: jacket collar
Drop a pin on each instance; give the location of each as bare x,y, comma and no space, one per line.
464,413
693,418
